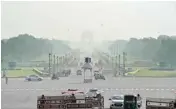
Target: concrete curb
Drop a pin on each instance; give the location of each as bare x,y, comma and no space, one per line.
148,77
154,77
20,77
15,77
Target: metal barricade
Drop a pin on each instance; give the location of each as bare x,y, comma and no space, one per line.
64,102
160,103
51,106
79,105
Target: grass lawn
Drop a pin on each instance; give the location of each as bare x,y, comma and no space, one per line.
19,73
152,73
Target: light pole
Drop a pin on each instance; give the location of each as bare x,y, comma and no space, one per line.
63,61
112,61
124,59
54,66
50,61
119,64
116,66
57,59
60,64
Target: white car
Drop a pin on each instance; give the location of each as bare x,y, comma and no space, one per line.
116,102
93,92
33,78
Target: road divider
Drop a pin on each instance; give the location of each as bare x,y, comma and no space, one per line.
103,89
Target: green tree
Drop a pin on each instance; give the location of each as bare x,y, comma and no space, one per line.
26,47
161,49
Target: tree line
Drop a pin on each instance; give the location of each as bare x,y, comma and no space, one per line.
160,49
26,47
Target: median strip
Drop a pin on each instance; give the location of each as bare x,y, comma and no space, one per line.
106,89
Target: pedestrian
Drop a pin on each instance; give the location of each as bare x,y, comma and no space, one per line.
6,78
99,97
43,99
73,98
138,97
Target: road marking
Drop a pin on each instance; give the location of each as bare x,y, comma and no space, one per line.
105,89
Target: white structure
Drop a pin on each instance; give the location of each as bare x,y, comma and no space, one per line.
87,67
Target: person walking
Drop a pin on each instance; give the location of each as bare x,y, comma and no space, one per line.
6,79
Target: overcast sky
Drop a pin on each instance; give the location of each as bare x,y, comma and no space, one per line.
106,20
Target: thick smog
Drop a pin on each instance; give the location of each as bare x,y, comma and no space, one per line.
88,55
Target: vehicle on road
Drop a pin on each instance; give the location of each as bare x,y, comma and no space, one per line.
64,73
130,102
33,78
116,102
72,91
99,76
96,72
79,72
67,71
54,77
93,92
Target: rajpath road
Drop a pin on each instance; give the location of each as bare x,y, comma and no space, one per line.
20,94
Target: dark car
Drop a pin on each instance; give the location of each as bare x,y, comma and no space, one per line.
54,77
79,72
99,76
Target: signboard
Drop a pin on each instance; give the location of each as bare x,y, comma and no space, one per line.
81,105
157,104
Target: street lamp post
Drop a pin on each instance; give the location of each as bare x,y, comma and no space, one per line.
116,66
50,61
57,59
124,59
54,66
119,64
